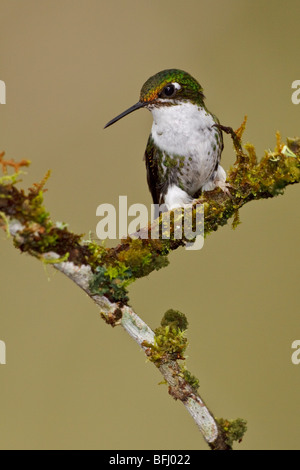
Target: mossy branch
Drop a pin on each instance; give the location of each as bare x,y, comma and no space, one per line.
104,273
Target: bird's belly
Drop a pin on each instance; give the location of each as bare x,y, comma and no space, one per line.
190,164
189,143
196,172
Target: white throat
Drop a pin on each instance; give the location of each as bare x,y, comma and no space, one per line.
181,129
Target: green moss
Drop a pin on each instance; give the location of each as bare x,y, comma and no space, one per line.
38,239
170,342
132,259
174,318
24,207
96,254
111,282
5,223
142,257
37,210
234,430
9,179
191,379
114,271
236,220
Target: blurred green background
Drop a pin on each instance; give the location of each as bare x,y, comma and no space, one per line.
71,381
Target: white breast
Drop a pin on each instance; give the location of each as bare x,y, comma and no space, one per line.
187,130
183,129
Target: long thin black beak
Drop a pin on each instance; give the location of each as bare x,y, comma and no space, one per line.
138,105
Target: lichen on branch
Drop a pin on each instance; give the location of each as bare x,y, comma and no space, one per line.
115,268
105,273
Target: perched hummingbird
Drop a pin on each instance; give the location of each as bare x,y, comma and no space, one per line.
184,148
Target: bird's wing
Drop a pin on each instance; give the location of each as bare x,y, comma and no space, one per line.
221,139
155,183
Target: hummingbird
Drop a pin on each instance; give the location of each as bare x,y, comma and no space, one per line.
185,144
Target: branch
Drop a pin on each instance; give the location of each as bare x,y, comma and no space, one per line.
179,387
104,274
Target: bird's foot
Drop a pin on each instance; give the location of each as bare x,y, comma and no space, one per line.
224,186
219,181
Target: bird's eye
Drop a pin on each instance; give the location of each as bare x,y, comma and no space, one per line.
168,91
